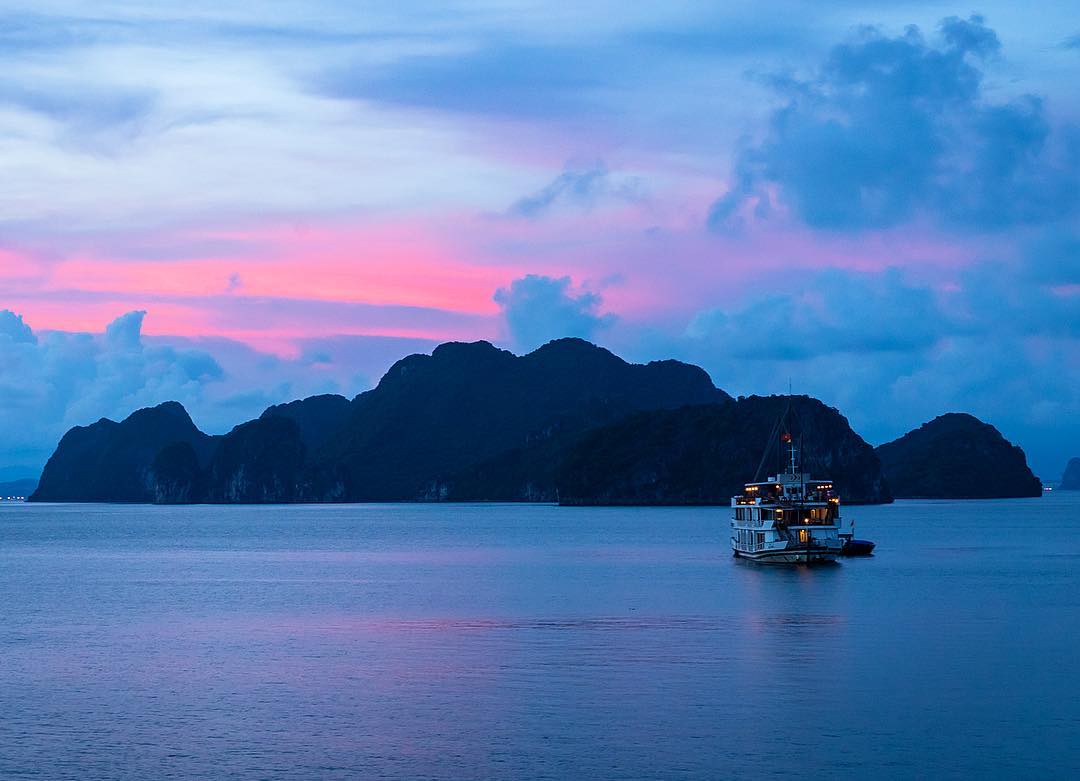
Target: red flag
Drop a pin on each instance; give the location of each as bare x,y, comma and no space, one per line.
786,437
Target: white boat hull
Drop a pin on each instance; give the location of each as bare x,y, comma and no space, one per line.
789,556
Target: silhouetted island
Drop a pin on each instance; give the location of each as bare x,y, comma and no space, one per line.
569,422
15,488
1070,480
705,454
111,462
419,435
957,456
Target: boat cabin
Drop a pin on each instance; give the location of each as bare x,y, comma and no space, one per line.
790,500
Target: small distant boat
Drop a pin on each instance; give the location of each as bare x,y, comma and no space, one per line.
789,518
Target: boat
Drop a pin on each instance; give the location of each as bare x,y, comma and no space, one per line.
789,518
854,547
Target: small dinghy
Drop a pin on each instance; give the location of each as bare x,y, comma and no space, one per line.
853,547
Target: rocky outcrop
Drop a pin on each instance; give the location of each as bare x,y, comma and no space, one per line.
433,418
1070,481
957,456
569,422
317,417
113,462
422,434
176,477
258,462
704,454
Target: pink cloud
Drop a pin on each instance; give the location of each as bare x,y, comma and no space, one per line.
434,279
18,267
389,266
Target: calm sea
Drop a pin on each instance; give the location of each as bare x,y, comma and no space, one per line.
506,641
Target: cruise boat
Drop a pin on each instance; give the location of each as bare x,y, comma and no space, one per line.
790,518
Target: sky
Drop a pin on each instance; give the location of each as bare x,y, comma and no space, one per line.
238,204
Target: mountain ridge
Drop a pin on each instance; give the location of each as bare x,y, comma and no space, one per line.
704,454
428,419
111,461
569,422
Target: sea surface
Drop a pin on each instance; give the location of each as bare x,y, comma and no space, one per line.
528,642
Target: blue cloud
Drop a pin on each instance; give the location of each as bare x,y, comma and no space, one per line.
722,36
1054,258
25,32
895,128
970,35
22,32
537,309
14,329
564,63
55,380
527,81
52,382
580,186
576,185
836,312
83,107
125,331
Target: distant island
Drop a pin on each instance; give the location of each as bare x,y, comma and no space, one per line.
957,456
14,490
1070,481
569,422
705,454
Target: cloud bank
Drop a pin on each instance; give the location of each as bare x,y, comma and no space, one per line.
57,380
300,196
54,380
893,129
537,309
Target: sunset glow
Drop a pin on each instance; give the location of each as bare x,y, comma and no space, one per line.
890,212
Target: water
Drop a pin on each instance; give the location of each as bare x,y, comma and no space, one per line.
496,641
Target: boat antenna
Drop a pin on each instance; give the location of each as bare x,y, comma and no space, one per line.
802,467
774,437
814,462
791,444
768,447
